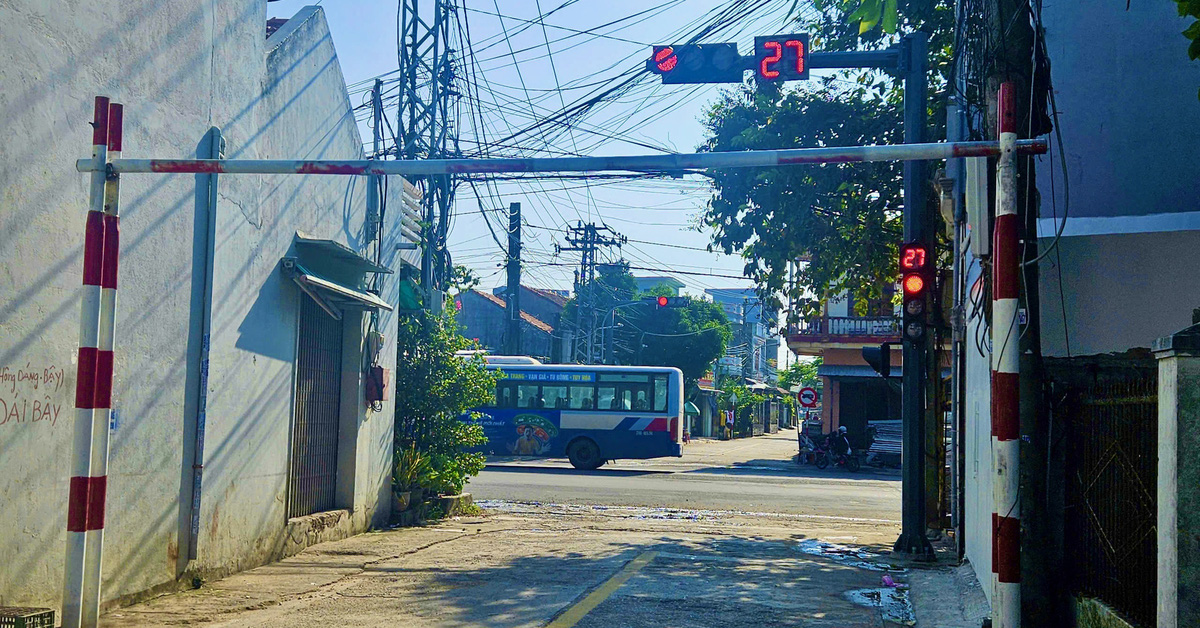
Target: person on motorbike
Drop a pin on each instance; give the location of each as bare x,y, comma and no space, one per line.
840,443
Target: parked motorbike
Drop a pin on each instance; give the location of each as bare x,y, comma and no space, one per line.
848,461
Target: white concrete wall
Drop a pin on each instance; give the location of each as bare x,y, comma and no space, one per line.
179,68
977,445
1128,107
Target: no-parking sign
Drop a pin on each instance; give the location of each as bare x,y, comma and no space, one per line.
808,397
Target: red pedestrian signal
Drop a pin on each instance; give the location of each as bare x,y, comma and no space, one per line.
781,57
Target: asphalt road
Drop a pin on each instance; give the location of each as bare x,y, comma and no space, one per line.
714,488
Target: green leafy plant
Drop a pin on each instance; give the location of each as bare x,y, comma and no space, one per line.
1191,8
411,469
435,389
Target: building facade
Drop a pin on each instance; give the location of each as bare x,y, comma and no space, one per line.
852,392
755,343
483,318
272,289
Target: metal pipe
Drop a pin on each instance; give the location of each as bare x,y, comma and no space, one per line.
102,401
85,381
1006,268
629,163
216,150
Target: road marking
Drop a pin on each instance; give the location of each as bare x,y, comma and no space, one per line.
585,606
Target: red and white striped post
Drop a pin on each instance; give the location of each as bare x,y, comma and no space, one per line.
102,416
93,387
1006,336
85,382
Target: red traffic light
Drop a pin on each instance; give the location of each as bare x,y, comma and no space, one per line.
913,284
913,257
662,301
665,59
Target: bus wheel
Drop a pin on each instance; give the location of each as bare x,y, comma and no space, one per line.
584,454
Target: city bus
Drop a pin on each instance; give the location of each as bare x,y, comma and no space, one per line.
589,413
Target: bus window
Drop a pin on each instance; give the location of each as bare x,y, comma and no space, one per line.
660,393
555,396
505,395
527,396
606,394
582,397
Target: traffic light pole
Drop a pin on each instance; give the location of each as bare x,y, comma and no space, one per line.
913,62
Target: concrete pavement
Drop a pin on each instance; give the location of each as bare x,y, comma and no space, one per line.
706,544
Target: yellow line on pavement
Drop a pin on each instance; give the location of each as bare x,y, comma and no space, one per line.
585,606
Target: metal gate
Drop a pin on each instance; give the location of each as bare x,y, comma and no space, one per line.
312,482
1111,490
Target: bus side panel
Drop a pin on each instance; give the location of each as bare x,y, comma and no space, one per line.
622,437
522,432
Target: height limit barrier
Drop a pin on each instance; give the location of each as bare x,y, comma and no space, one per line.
85,510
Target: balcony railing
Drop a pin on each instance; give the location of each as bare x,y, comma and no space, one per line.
846,328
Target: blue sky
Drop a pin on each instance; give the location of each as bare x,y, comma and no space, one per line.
653,213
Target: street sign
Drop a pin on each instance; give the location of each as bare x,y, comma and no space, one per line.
808,397
781,57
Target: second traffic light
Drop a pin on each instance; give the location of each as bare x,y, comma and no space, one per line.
880,358
668,301
915,275
697,63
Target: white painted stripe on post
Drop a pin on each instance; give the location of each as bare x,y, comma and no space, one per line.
1006,605
89,317
1006,336
1006,481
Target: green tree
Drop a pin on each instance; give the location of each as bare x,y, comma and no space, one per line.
844,218
1191,8
801,372
443,388
688,338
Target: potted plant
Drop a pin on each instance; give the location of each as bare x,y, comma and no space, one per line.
412,467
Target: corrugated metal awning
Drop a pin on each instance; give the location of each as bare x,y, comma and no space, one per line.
331,295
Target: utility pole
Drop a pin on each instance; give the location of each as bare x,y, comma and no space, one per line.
512,297
427,100
748,338
587,239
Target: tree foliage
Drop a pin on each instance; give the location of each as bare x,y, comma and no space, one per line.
801,372
1191,8
844,218
435,388
686,338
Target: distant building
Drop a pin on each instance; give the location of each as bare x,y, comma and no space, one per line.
546,305
755,344
648,283
483,318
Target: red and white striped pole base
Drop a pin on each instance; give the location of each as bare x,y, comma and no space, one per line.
1006,336
93,387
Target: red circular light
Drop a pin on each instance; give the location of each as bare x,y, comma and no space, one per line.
662,301
913,284
666,59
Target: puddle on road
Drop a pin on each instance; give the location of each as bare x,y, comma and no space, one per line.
845,554
645,512
893,604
